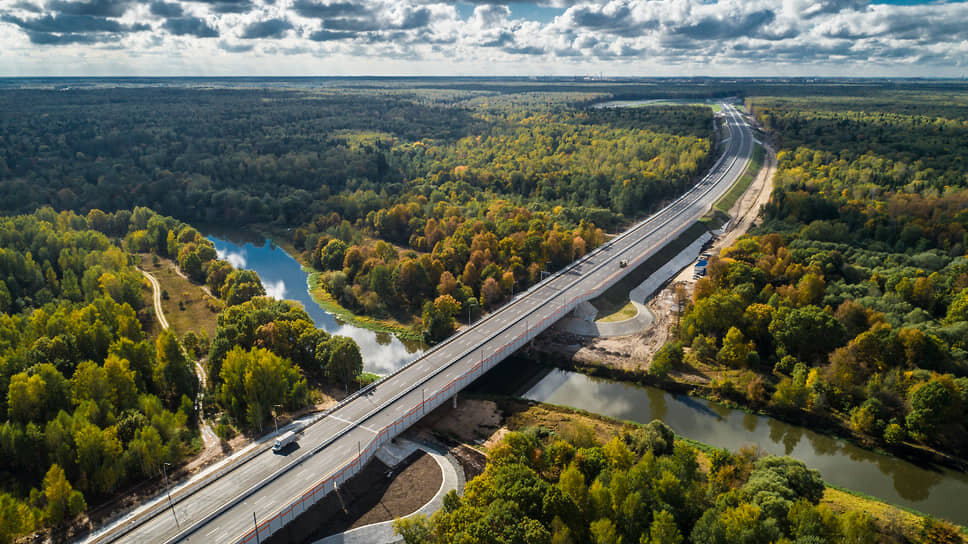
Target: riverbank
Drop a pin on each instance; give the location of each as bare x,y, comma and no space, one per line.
326,301
688,381
502,414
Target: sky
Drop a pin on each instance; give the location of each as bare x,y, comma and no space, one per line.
645,38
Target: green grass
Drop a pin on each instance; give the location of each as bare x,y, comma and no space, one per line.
835,496
188,307
736,191
328,303
626,312
714,105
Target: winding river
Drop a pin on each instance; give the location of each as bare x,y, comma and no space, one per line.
284,278
939,492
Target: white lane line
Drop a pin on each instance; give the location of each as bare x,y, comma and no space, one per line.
353,424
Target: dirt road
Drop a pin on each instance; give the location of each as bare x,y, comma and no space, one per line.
208,435
156,296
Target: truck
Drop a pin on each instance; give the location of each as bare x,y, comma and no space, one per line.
283,441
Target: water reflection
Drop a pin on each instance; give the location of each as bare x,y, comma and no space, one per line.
749,422
937,492
284,278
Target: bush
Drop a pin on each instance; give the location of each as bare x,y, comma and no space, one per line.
667,358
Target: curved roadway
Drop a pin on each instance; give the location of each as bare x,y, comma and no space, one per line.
222,510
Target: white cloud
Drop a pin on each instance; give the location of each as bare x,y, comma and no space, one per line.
397,37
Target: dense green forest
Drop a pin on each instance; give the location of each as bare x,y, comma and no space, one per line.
849,303
485,215
435,204
419,205
643,486
89,403
430,202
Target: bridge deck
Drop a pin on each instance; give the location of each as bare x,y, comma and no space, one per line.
269,490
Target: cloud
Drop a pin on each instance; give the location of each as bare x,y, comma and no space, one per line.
228,6
308,8
42,38
27,6
616,19
714,28
330,36
271,28
166,9
524,50
490,15
745,37
97,8
190,26
72,24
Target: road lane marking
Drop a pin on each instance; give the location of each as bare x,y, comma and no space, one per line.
348,422
631,243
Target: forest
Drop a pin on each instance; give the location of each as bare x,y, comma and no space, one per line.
644,486
92,405
417,205
849,304
430,202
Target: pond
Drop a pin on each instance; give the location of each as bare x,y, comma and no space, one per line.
939,492
284,278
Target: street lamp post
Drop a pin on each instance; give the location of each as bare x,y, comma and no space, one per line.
274,420
164,469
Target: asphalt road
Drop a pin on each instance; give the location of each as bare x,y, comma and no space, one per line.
269,482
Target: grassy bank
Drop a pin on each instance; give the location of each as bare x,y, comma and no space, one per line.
625,312
328,303
520,414
736,191
186,305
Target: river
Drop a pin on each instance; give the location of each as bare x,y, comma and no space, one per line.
284,278
939,492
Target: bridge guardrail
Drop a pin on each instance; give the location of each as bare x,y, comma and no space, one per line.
365,456
349,469
390,431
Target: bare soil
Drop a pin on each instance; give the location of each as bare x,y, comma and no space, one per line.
374,495
473,422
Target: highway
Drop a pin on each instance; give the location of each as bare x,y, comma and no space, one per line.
268,489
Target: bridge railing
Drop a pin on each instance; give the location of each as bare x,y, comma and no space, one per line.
325,486
322,488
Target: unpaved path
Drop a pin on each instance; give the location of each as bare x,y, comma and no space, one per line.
635,351
747,209
212,448
156,297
